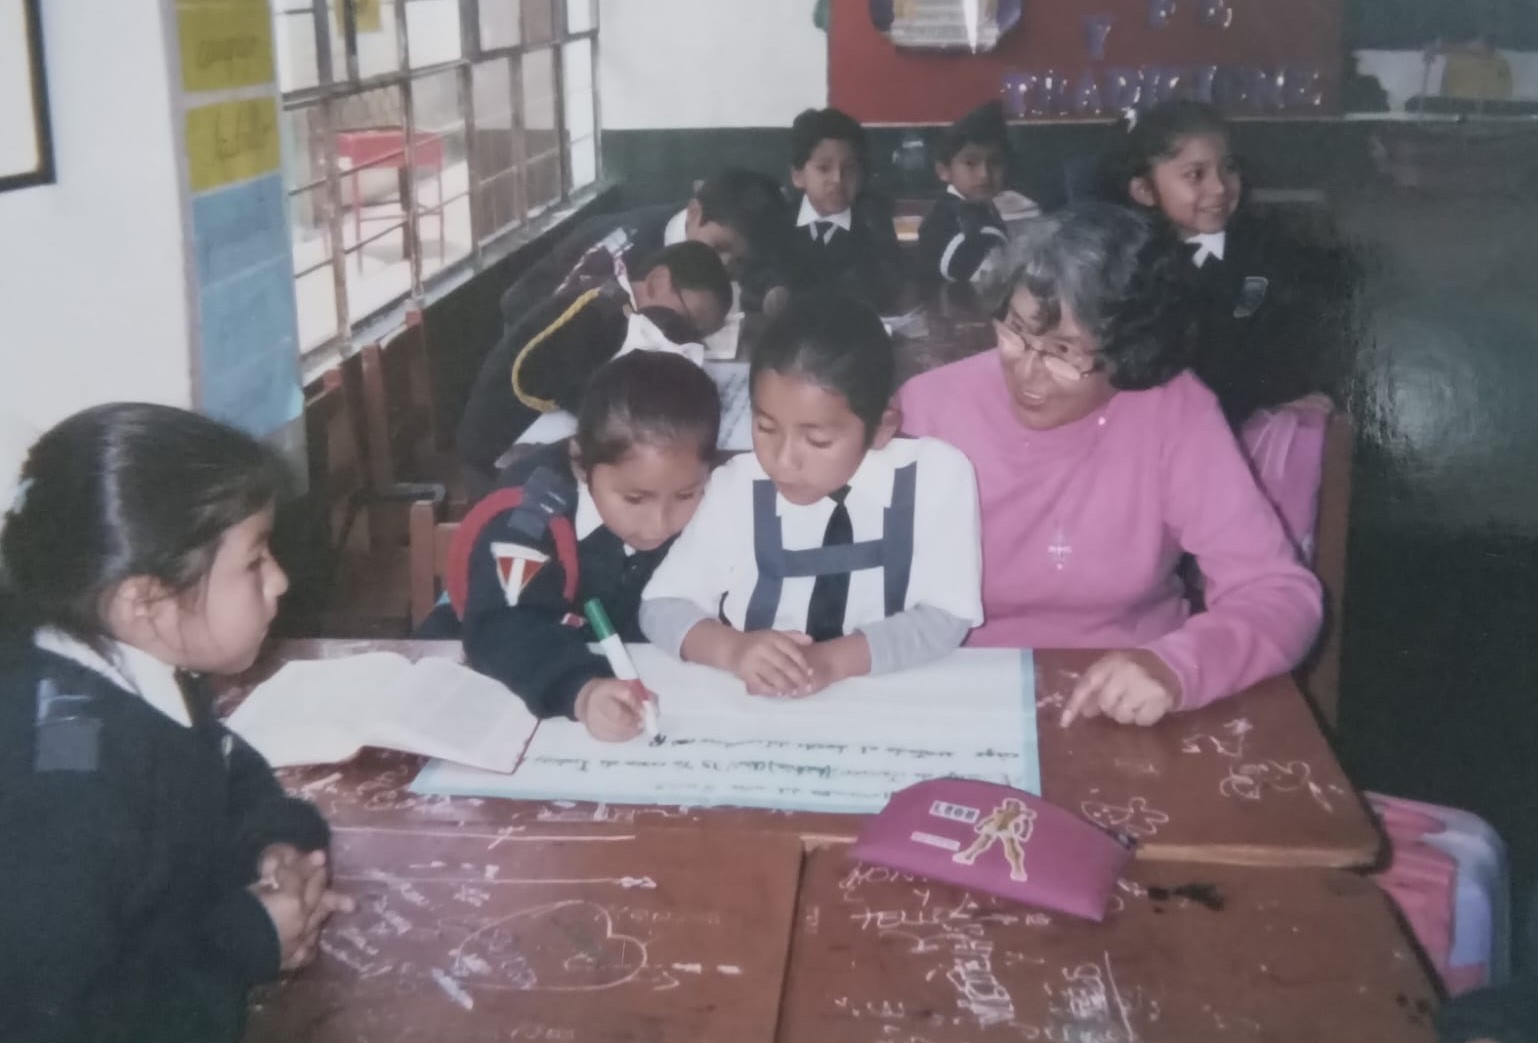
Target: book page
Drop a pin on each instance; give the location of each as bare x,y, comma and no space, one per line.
846,749
325,711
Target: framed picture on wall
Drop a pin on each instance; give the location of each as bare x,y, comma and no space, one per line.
26,147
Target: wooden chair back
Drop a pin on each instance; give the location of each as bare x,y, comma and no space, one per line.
398,403
1320,675
430,540
337,464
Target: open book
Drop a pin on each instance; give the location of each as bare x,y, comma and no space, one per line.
325,710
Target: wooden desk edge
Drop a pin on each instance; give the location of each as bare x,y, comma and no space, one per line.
1262,856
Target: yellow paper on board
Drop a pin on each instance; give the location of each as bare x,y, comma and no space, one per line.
232,141
224,43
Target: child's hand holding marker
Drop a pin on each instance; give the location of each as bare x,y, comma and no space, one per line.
612,709
616,709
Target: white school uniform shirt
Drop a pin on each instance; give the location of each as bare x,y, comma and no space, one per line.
808,218
642,334
132,668
715,555
677,228
588,520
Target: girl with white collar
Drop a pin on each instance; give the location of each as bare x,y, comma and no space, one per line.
153,869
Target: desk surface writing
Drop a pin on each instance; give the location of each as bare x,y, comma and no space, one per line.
1250,780
464,936
1281,955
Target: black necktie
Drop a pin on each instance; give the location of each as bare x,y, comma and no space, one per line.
193,696
830,593
824,231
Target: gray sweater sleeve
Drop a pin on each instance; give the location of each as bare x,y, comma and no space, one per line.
912,638
667,621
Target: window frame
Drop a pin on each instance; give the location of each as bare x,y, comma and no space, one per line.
334,85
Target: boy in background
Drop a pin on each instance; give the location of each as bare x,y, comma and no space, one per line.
961,233
737,213
544,362
842,236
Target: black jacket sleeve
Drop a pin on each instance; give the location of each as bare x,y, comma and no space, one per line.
526,645
540,282
262,813
60,900
955,237
557,360
493,417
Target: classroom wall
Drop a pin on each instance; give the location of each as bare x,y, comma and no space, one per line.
708,63
92,283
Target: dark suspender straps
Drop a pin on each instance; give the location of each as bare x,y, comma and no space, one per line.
893,552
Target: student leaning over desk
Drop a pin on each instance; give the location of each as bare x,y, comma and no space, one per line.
834,549
592,519
152,868
1100,463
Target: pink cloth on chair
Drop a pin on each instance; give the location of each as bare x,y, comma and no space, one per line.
1285,447
1447,875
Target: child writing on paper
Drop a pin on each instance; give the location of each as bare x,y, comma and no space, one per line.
153,869
833,550
671,304
592,519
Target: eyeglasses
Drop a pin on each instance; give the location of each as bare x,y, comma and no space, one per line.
1062,369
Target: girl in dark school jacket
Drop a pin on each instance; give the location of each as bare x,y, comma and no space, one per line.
152,868
543,364
1270,310
588,519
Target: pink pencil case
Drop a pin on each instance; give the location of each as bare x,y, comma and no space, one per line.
986,837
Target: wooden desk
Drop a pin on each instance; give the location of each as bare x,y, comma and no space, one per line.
671,936
1248,781
1286,956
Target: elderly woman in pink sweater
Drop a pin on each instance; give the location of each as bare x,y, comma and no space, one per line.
1100,462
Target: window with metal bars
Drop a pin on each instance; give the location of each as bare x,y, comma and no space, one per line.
421,136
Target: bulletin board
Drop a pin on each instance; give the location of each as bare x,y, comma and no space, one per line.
1093,59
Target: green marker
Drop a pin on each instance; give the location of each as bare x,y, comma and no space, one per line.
623,666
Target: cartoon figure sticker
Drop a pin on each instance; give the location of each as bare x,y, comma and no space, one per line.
1010,826
516,565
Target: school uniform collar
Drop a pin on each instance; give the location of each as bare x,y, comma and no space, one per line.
132,668
588,520
677,228
951,190
843,219
1212,244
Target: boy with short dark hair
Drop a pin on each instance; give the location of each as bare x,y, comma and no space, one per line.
544,362
737,213
965,226
842,236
